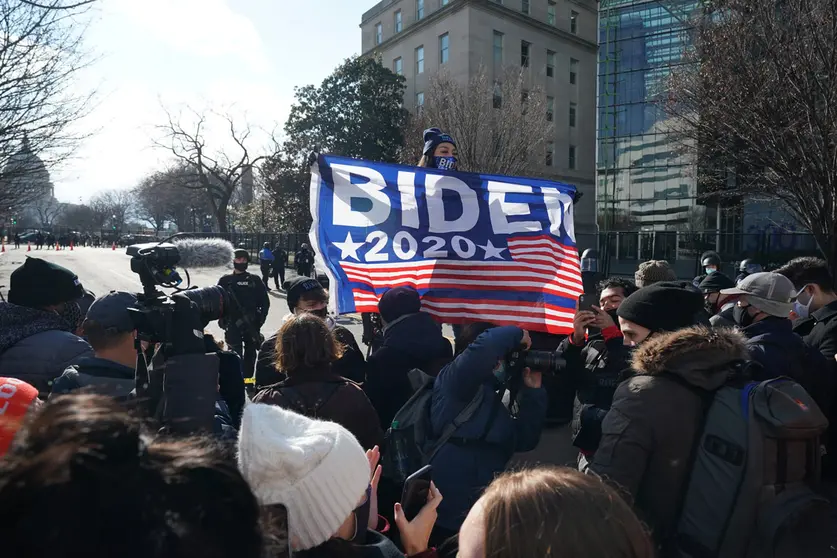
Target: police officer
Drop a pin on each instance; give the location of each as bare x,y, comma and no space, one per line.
248,311
747,267
711,263
279,263
304,261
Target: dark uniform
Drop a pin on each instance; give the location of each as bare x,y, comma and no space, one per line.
279,262
248,312
304,261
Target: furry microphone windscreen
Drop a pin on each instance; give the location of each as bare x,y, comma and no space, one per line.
204,252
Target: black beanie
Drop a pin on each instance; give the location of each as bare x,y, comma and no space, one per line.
297,287
667,306
716,282
38,283
398,302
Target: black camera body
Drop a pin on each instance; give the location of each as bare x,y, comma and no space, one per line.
156,263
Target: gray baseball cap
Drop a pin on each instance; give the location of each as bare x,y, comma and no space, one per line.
771,293
111,311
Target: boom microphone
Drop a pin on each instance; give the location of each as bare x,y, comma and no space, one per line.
204,252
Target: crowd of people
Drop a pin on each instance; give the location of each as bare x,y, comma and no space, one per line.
699,411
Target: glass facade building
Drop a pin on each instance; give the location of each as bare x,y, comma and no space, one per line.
643,182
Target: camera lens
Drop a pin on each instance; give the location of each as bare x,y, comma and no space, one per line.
544,361
212,302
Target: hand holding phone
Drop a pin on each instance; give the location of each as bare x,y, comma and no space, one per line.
416,488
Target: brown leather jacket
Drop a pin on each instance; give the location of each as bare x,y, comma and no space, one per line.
324,395
647,435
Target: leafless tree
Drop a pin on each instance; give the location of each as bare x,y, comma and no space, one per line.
500,126
112,207
78,217
219,172
152,200
41,54
756,104
49,209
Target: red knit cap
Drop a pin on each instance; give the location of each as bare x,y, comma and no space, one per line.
16,398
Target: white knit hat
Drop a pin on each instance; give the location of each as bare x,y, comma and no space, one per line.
317,469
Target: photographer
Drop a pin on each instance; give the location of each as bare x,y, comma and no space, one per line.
248,311
482,446
596,362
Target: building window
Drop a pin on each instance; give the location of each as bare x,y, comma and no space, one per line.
445,3
550,108
419,9
573,110
573,71
399,22
550,12
571,158
498,48
550,153
574,22
524,7
398,66
419,100
420,60
379,33
550,63
444,48
497,100
524,53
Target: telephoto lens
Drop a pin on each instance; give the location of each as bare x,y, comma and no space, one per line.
544,361
212,302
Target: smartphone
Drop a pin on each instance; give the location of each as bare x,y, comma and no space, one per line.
277,517
416,488
587,301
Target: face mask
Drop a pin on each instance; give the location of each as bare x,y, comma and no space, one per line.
501,374
362,520
710,270
445,163
72,315
803,310
741,316
614,317
321,313
240,266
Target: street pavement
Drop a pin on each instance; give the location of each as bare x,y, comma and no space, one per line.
102,270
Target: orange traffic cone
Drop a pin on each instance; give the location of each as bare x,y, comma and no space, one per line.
28,246
57,247
71,246
2,250
113,247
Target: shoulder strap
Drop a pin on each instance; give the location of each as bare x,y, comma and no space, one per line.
463,417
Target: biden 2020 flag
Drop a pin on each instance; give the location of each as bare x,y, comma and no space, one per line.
475,246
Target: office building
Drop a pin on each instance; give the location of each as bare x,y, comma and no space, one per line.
555,39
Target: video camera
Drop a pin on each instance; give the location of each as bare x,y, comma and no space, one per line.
156,263
548,362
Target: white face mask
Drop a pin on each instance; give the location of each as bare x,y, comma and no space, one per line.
802,304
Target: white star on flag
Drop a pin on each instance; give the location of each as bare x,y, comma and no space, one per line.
349,247
492,251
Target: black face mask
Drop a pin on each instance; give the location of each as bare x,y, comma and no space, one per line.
321,313
362,520
240,266
741,316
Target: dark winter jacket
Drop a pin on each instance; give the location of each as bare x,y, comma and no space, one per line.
781,352
648,433
37,346
597,368
351,365
724,318
96,375
325,395
482,446
819,331
414,341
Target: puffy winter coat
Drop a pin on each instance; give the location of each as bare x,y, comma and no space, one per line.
482,446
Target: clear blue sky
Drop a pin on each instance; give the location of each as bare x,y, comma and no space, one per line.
243,56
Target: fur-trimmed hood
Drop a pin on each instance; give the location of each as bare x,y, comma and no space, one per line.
698,354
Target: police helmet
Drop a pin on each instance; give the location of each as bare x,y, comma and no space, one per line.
711,258
241,253
750,266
